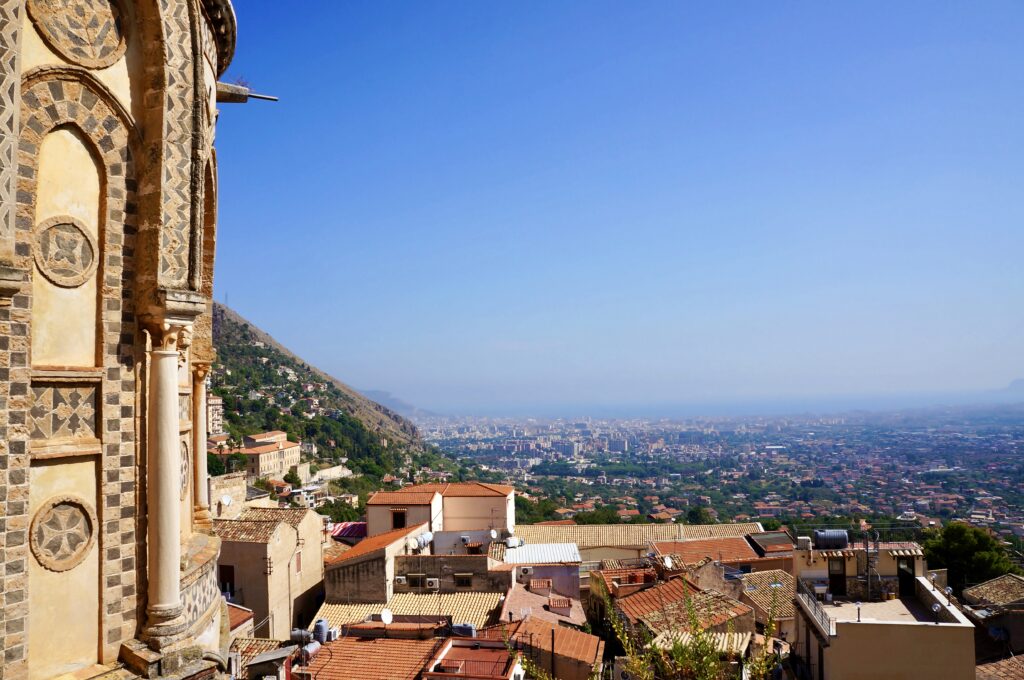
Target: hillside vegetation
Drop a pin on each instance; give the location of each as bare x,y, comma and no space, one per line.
267,387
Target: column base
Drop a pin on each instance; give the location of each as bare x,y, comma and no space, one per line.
203,519
164,626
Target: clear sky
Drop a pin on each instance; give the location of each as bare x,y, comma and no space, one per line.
488,207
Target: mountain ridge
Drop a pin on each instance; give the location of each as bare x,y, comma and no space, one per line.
374,416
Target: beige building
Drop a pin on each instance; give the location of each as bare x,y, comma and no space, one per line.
214,415
449,507
272,562
868,612
108,194
267,455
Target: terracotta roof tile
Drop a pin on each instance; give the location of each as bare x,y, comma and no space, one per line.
711,607
238,615
1011,668
374,543
640,604
460,489
759,590
372,659
569,643
1001,590
477,608
245,531
726,550
399,498
633,535
292,516
250,648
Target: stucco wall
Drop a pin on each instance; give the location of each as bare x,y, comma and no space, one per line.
476,513
231,486
445,567
378,517
882,651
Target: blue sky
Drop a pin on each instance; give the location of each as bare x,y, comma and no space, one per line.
505,207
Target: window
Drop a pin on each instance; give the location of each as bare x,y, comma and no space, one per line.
398,519
463,580
226,577
416,580
298,563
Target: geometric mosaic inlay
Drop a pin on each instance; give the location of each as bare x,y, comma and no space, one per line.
62,533
63,412
89,33
186,468
65,251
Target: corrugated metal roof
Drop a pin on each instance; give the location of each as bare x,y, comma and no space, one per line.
543,553
630,535
349,530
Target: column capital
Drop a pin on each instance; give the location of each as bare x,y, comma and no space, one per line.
201,369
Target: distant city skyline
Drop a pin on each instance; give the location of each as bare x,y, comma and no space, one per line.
541,207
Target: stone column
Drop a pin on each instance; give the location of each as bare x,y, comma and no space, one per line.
163,487
201,510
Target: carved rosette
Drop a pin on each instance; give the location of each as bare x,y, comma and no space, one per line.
65,251
62,533
186,469
90,33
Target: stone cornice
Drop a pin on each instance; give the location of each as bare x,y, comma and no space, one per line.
225,28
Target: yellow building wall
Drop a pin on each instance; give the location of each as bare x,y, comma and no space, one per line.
70,624
882,651
64,319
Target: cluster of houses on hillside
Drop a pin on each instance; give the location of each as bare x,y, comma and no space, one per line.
441,577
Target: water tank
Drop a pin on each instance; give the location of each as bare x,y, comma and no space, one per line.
464,629
320,631
301,635
310,650
831,539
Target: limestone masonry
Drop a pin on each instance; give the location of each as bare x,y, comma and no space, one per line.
108,192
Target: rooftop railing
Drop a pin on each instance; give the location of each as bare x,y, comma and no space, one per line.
805,594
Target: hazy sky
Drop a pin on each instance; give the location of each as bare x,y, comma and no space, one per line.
486,206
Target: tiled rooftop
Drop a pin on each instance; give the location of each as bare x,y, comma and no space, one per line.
250,648
999,591
758,588
292,516
730,549
400,498
711,607
480,609
245,531
372,659
375,543
1003,669
640,604
568,642
632,535
238,615
461,489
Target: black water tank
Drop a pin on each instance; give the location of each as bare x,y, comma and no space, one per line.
831,539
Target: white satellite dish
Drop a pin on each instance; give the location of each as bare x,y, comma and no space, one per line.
494,534
225,499
386,616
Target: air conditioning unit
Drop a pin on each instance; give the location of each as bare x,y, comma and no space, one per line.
525,571
400,581
433,583
465,539
333,634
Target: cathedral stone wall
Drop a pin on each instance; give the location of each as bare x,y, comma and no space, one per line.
107,205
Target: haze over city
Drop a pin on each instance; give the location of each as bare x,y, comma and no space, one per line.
596,207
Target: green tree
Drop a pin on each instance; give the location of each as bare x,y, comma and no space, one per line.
968,553
292,477
236,462
214,465
698,515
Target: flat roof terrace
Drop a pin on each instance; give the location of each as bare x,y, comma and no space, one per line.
903,610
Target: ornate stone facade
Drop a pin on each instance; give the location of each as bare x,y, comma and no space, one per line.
107,110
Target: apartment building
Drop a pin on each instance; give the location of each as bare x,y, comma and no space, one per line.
267,454
859,607
272,563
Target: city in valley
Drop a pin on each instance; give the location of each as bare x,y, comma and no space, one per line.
919,466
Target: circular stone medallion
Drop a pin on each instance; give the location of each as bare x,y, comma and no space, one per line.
62,532
185,469
65,251
89,33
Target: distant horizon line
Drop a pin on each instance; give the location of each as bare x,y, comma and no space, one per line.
821,405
